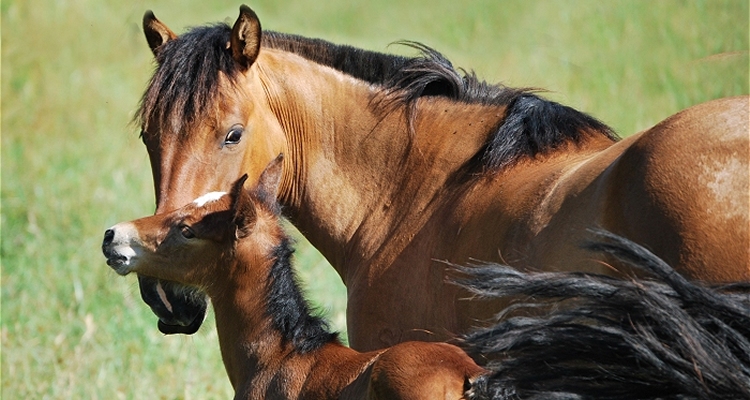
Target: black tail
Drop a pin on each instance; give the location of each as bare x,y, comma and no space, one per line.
605,338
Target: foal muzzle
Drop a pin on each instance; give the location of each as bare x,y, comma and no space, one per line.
118,248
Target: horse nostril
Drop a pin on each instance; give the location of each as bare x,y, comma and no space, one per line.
109,235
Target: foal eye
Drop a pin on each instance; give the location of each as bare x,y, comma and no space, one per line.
234,135
186,232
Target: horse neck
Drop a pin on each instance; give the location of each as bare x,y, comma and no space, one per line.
255,350
359,175
241,322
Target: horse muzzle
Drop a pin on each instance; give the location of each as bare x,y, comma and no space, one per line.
119,250
180,309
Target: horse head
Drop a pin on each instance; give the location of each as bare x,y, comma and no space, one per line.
189,132
179,253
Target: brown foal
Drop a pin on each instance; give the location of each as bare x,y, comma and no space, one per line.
232,247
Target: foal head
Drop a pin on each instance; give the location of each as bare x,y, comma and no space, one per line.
197,245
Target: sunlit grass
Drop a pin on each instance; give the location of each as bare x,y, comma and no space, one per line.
72,164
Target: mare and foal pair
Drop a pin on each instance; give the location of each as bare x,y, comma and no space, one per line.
392,162
607,338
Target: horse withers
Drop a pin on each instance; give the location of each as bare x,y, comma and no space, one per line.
232,247
393,162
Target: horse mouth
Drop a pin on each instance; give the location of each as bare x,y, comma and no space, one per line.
115,260
168,328
118,263
180,309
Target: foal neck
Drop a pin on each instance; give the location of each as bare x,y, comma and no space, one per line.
267,335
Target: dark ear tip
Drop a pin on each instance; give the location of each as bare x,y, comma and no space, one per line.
244,9
148,16
239,183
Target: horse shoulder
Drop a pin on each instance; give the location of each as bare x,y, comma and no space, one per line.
538,211
681,188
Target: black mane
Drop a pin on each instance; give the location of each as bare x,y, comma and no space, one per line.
184,90
288,308
369,66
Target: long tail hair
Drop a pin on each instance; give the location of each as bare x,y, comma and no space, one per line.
607,338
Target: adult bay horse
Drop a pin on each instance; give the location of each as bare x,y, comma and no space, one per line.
232,246
393,162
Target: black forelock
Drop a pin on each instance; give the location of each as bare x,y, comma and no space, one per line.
185,83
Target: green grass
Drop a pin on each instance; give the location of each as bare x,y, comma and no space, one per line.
72,74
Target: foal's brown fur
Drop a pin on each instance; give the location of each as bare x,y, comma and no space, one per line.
234,249
384,179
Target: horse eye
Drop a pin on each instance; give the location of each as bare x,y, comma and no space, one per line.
186,232
234,135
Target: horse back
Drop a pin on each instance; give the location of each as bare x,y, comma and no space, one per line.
681,189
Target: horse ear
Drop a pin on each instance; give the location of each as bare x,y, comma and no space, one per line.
243,209
156,32
270,180
238,187
245,42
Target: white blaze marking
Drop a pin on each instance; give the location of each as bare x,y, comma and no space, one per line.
207,198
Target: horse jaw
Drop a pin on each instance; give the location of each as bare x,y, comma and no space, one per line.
180,309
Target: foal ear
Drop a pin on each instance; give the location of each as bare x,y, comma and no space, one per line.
269,182
243,209
156,32
245,42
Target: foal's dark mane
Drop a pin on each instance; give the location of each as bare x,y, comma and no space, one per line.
184,89
288,308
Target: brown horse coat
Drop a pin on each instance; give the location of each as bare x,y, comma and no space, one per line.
392,163
232,246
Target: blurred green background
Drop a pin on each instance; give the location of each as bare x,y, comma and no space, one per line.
72,164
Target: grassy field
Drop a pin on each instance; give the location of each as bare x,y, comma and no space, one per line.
72,164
